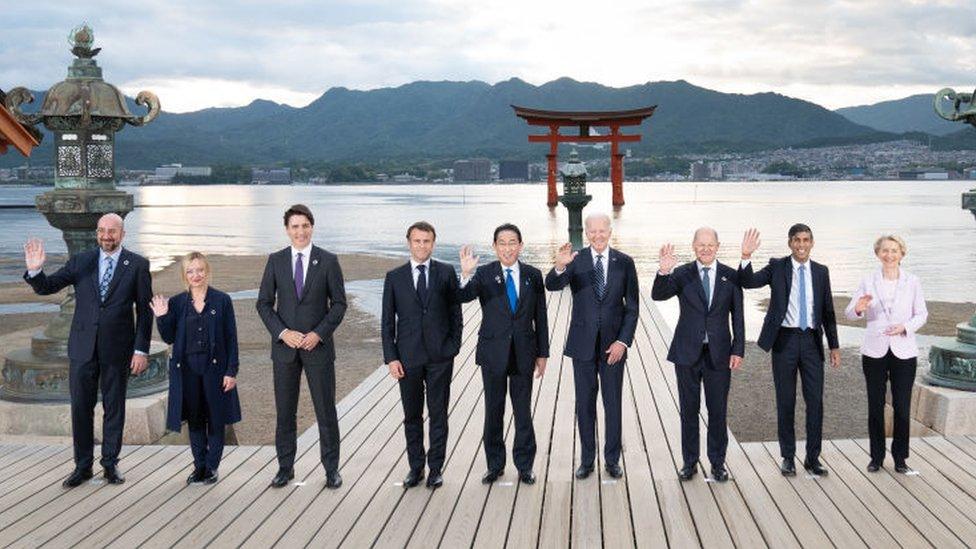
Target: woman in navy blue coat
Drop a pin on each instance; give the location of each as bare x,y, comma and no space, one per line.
200,325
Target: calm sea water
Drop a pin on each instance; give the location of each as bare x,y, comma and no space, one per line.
846,218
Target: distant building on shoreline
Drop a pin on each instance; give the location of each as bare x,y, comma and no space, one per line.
166,173
271,176
513,170
476,169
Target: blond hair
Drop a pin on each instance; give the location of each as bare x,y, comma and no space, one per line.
185,263
891,238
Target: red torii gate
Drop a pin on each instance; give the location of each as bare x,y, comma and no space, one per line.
584,120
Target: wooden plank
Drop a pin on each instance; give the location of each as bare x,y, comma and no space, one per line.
369,504
526,514
199,510
40,459
400,509
801,518
960,463
966,444
820,506
739,518
150,514
937,532
14,453
617,523
75,513
945,477
47,472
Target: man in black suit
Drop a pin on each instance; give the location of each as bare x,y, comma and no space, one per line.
105,343
512,342
301,301
702,349
421,328
800,312
605,311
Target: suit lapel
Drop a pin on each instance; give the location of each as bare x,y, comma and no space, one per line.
788,277
431,279
311,273
697,281
498,279
94,275
718,285
525,293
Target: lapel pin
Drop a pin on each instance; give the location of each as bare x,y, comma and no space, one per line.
125,262
724,279
315,262
498,279
213,311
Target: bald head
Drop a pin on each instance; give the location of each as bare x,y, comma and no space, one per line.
110,232
704,232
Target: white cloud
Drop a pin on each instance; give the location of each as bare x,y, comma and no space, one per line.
221,53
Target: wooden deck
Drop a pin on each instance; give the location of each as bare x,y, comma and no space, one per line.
649,507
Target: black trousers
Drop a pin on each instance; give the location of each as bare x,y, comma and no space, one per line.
200,406
877,373
519,387
797,351
84,381
590,376
716,381
321,385
434,379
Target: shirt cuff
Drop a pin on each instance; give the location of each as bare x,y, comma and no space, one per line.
465,280
32,274
622,343
745,262
141,353
281,335
558,272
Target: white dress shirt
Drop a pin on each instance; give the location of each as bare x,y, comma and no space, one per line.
305,260
605,259
792,319
103,265
711,277
416,272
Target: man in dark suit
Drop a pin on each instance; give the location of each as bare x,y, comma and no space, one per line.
421,327
301,301
702,349
605,311
105,343
800,312
512,342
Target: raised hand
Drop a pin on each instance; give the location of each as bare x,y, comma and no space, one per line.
564,255
862,304
34,254
469,261
667,259
750,242
159,305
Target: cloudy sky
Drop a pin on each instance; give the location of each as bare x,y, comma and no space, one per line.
201,53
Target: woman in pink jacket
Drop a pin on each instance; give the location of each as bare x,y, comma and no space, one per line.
891,301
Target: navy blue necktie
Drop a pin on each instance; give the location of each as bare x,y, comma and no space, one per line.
422,283
599,279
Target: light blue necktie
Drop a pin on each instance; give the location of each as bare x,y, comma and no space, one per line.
804,322
510,288
106,278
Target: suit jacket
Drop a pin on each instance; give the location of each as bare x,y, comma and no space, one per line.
319,309
109,326
223,353
779,276
527,329
908,308
417,333
695,320
614,317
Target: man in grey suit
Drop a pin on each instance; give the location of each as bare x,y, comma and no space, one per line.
106,342
301,301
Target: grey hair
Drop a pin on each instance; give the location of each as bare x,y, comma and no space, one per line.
699,230
597,215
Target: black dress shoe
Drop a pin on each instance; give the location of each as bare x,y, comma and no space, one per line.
490,476
113,476
413,478
874,466
815,468
527,477
333,479
210,477
615,471
687,472
583,471
281,479
901,466
197,475
77,477
720,474
435,480
788,468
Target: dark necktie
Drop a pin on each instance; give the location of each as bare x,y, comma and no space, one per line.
299,276
422,283
707,284
599,280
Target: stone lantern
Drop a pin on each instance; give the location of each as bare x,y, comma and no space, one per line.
574,197
84,112
954,364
